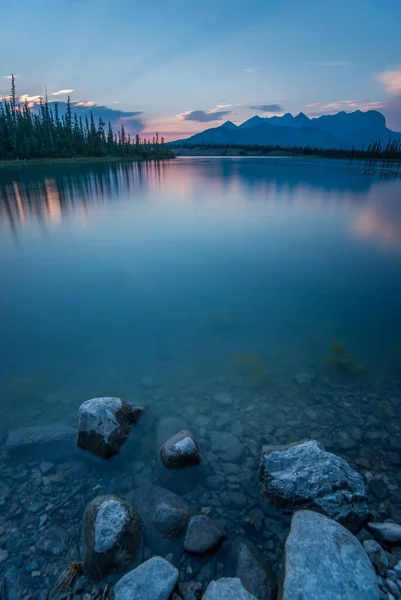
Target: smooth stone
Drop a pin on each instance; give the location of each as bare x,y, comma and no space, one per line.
378,488
305,475
104,425
164,515
325,561
386,532
215,482
154,579
244,561
227,445
227,588
235,499
202,535
180,451
112,536
43,442
223,399
223,420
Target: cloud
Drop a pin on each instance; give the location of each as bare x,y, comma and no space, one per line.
62,92
391,80
8,76
202,116
30,99
267,108
250,70
318,108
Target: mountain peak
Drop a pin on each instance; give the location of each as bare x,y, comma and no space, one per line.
229,125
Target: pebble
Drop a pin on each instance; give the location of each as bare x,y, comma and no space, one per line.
3,555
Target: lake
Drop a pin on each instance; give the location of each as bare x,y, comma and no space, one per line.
264,289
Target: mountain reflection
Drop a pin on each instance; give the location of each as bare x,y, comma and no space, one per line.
53,193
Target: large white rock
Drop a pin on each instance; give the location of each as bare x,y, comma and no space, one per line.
154,579
325,561
227,588
304,475
104,425
112,536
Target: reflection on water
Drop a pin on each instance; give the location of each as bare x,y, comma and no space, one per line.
53,193
113,271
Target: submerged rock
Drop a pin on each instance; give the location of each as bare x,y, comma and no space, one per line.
304,475
227,588
180,451
243,561
54,442
112,536
104,425
154,579
386,532
324,561
226,445
165,515
377,556
202,535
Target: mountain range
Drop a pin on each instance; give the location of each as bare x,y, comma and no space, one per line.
341,130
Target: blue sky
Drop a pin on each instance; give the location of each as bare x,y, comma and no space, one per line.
167,58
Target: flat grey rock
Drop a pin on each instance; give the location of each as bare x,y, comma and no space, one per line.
226,445
104,425
324,561
154,579
54,442
304,475
180,451
202,535
244,561
386,532
112,536
227,588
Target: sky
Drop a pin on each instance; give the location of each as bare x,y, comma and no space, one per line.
180,66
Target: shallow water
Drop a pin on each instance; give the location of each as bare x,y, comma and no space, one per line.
168,283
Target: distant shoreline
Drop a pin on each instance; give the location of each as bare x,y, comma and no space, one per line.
239,152
75,161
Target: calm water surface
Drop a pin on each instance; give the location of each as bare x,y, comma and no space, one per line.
256,296
170,273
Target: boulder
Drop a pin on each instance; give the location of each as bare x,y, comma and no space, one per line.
165,516
390,533
226,445
325,561
304,475
112,536
104,425
154,579
54,442
203,534
180,451
227,588
244,562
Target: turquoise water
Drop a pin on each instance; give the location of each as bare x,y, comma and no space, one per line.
121,278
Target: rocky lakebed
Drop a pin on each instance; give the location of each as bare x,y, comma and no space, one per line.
218,494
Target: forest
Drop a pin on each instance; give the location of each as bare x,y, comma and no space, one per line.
376,150
45,133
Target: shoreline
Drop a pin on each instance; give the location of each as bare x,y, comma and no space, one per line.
82,160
